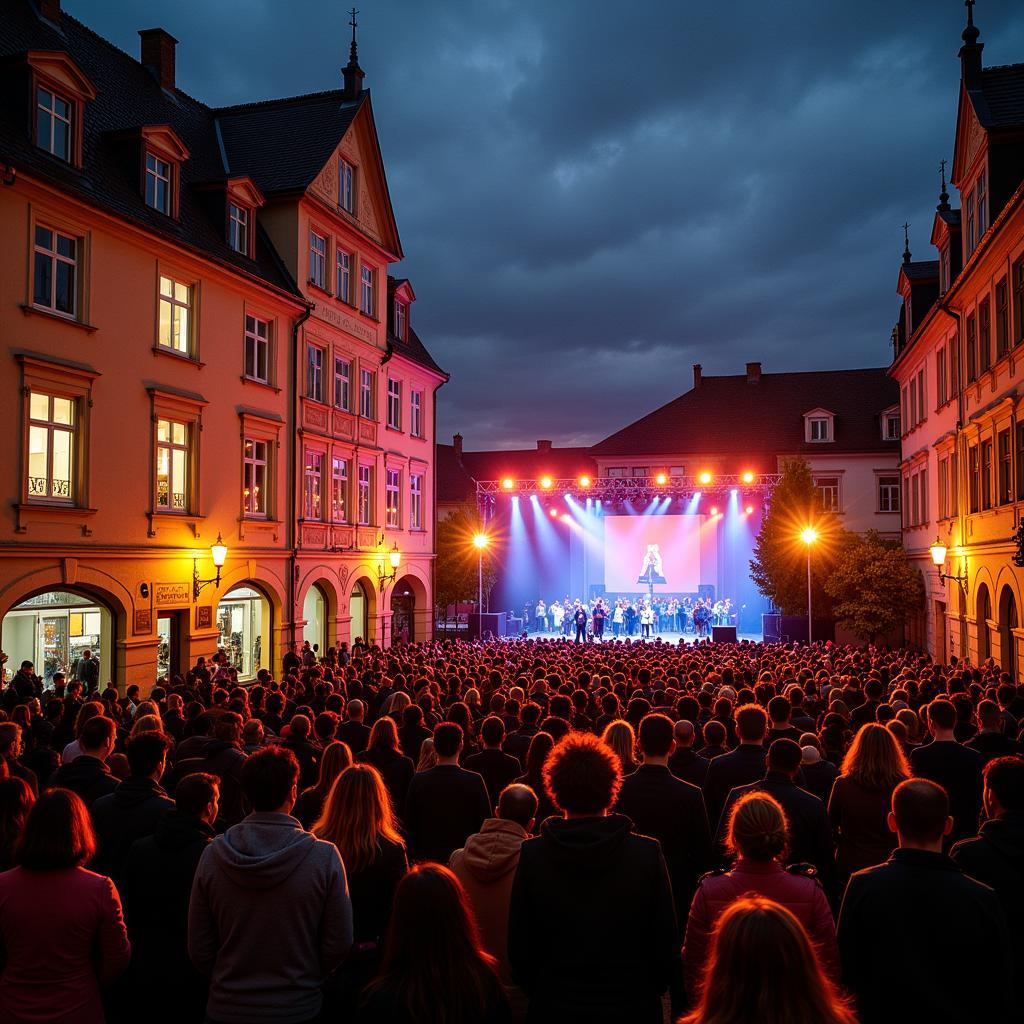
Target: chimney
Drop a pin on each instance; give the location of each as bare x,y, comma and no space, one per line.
457,445
696,374
158,55
543,446
50,10
753,373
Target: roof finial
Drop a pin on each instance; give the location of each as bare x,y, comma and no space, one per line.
906,242
352,73
970,33
943,195
352,21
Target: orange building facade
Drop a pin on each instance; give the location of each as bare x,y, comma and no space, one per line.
163,314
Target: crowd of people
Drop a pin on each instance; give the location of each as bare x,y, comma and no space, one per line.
522,830
628,616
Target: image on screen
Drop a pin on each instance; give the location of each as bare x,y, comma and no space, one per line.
676,553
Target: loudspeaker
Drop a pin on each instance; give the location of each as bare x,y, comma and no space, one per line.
723,634
771,628
493,623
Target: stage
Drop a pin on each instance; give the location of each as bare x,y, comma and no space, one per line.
671,639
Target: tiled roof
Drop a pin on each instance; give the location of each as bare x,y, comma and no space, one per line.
411,347
1003,89
454,484
920,270
730,415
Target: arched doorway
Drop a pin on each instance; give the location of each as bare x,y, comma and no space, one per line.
1007,624
53,629
403,613
983,614
244,618
314,611
358,610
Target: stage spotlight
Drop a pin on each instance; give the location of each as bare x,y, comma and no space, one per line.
553,512
714,510
705,477
661,479
546,482
480,541
584,481
734,492
750,510
508,483
748,477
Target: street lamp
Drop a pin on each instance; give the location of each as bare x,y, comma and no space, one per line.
480,542
219,554
395,558
809,536
938,553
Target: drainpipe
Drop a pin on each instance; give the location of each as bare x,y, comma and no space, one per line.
291,531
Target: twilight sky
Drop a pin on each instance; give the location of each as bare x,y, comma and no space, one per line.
592,196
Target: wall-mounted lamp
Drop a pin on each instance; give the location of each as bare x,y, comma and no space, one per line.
938,553
219,554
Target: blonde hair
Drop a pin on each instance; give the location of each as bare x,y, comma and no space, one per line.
428,755
875,759
620,737
357,814
146,723
758,828
336,758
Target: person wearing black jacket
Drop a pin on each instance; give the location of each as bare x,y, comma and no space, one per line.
743,765
446,804
353,730
517,742
918,939
684,762
385,755
497,768
996,855
88,774
669,810
578,956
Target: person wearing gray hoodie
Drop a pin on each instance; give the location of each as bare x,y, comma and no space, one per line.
270,916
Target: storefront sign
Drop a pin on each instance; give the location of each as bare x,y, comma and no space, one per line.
167,595
143,621
204,616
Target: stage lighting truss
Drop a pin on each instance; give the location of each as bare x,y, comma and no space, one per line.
636,490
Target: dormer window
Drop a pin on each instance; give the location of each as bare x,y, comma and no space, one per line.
238,228
346,186
818,426
161,154
158,183
59,92
53,123
401,319
891,426
944,269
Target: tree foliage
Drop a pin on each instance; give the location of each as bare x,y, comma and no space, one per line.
873,586
455,568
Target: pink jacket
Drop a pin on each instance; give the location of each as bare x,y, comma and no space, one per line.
801,895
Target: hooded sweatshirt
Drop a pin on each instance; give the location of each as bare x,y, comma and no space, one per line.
486,866
269,919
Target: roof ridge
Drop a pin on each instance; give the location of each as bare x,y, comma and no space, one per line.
788,373
1002,67
281,100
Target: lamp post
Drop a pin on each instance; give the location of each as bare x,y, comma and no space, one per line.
219,554
809,536
480,542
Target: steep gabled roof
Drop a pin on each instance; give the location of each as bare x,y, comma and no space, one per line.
454,484
1002,87
733,416
414,349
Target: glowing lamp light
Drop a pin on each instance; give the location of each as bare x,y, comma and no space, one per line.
480,541
809,536
219,552
748,477
553,512
750,510
661,479
584,481
508,483
546,482
714,510
705,478
938,553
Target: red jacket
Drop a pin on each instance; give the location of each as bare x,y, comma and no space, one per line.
798,893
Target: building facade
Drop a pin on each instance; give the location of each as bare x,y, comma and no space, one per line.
156,376
958,362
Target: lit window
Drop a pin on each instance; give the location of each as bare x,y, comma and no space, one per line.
158,183
363,497
339,490
342,384
416,502
827,490
172,466
368,299
366,394
175,315
238,228
818,428
392,496
394,403
318,260
344,276
616,472
888,494
401,319
416,413
346,186
892,427
254,477
313,491
51,447
315,373
257,349
55,272
53,124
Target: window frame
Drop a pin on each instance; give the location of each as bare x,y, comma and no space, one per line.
345,380
367,391
401,318
55,95
52,426
392,498
394,404
314,372
240,227
416,501
820,487
267,342
416,413
985,360
191,351
313,462
368,287
987,459
886,486
343,274
347,185
152,174
1004,467
824,422
364,494
171,446
317,259
342,478
55,258
250,468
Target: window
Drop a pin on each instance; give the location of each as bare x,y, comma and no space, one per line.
986,475
368,298
818,428
915,499
55,272
318,260
254,477
677,471
172,466
954,366
346,186
175,332
970,237
238,228
158,183
366,394
343,273
313,479
639,472
401,319
973,478
257,349
394,403
1020,461
981,202
416,413
984,335
392,498
972,349
51,447
315,373
53,124
339,490
922,407
914,414
1018,301
944,269
416,501
890,427
363,496
342,384
1004,494
941,383
616,472
827,489
1002,319
944,488
888,494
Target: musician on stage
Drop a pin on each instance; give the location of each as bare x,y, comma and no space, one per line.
579,618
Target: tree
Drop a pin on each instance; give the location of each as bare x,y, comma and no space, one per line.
874,587
779,565
455,568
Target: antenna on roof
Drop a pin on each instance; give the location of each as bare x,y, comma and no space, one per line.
943,195
906,242
352,73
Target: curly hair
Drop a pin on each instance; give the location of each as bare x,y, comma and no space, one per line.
582,774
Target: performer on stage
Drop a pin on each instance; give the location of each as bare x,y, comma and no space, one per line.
597,620
579,619
651,571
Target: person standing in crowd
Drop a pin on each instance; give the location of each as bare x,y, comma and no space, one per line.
353,730
742,984
310,805
385,754
558,931
11,745
497,768
57,972
862,796
88,775
738,767
916,935
685,763
579,619
16,800
87,672
446,804
267,877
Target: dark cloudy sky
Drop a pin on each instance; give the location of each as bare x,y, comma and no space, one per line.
593,196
